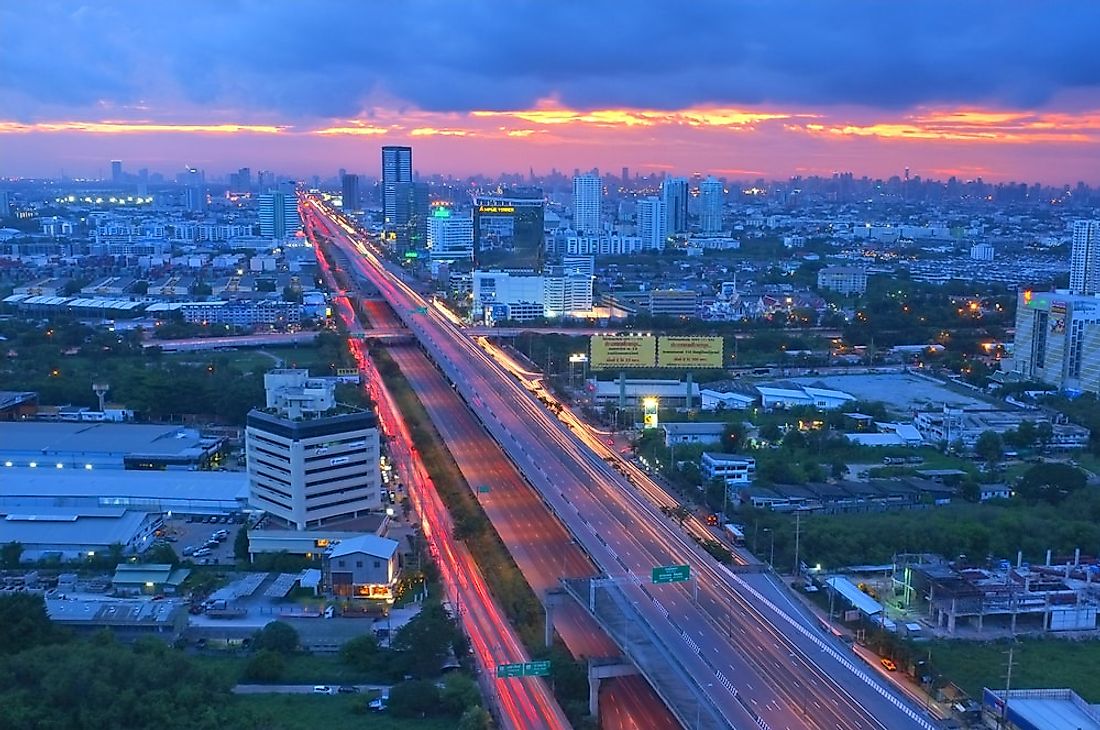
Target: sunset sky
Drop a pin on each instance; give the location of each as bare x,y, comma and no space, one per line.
1005,91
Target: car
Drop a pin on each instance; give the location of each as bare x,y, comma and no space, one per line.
347,689
611,442
201,552
188,551
323,689
889,665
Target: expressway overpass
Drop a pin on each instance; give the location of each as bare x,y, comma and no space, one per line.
749,657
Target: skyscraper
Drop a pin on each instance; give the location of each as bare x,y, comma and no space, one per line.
1084,266
651,223
244,179
587,194
350,192
713,198
411,215
674,194
396,169
116,172
508,229
194,190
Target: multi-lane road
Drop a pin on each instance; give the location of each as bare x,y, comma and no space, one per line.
755,659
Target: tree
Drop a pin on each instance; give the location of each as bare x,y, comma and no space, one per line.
414,698
458,693
265,666
732,437
1050,482
426,640
1023,437
240,545
162,553
989,447
475,718
362,653
24,623
1045,432
11,553
278,636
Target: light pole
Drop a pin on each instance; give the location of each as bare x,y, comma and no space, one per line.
771,535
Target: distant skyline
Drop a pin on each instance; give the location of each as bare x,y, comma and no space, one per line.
740,90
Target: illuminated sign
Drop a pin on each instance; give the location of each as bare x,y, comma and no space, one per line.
689,352
623,351
649,413
491,209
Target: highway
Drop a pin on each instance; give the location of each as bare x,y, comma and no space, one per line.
755,659
521,704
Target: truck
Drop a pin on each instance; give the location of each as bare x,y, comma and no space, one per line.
736,533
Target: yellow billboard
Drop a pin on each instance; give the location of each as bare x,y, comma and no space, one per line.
689,352
623,351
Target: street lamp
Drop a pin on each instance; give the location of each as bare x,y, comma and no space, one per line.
771,534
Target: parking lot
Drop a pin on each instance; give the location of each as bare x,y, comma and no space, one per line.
193,531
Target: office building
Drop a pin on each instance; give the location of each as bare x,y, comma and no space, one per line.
278,213
450,236
410,230
1084,266
396,168
674,194
587,198
674,303
1058,340
5,204
116,172
712,197
846,280
508,229
730,468
244,179
650,218
350,192
310,460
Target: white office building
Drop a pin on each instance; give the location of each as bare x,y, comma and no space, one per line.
712,197
846,280
730,468
981,252
278,213
651,224
311,462
1084,266
501,295
587,197
450,237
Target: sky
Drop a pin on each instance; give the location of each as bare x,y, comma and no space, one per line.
740,89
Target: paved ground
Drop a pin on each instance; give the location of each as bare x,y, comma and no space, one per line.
901,392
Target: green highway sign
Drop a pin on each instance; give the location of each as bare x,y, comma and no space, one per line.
418,310
483,489
523,669
412,254
671,573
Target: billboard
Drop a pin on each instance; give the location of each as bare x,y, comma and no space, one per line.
623,351
689,352
649,413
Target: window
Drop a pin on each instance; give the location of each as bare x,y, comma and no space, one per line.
377,564
358,563
340,563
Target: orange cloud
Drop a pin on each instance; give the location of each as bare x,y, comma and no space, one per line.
118,127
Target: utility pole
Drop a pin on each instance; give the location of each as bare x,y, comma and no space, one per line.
1008,686
797,534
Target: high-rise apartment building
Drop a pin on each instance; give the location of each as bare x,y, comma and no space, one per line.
650,217
450,236
194,191
310,460
396,169
116,172
587,198
712,197
411,228
278,213
1084,266
674,194
5,204
350,192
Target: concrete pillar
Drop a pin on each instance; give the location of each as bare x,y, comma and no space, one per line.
1048,558
594,696
951,617
604,669
550,604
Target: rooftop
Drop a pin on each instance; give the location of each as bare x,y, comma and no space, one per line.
98,438
77,528
381,547
111,612
24,486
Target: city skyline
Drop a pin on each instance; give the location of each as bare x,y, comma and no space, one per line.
734,91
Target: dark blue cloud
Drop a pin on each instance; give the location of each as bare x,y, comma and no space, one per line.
302,60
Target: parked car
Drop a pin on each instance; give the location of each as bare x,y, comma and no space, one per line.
323,689
347,689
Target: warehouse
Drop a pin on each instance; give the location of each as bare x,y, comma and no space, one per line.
77,533
37,444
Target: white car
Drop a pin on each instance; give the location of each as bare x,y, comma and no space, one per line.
323,689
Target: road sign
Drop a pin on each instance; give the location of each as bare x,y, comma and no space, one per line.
418,310
671,573
524,669
483,489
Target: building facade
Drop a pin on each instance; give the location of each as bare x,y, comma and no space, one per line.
1084,266
730,468
674,195
712,197
450,237
508,229
846,280
1058,340
396,168
650,216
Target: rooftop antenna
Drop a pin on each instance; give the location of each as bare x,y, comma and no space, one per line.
100,390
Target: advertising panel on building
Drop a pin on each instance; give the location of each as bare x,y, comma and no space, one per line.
689,352
623,351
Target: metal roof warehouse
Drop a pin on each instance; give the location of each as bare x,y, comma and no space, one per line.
103,445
